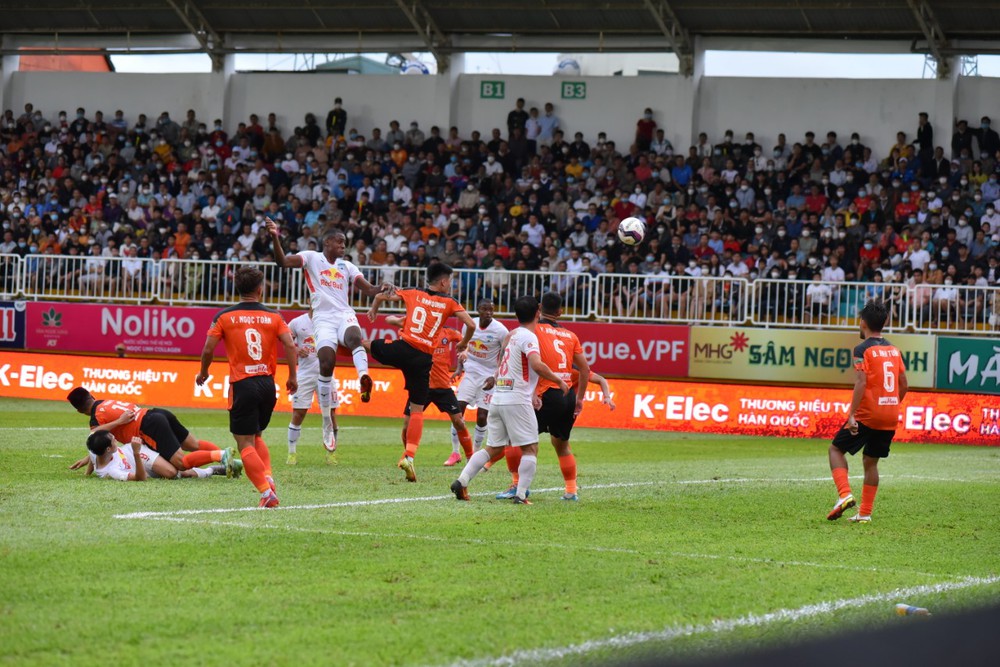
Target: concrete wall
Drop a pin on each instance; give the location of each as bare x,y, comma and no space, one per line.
151,94
875,108
612,104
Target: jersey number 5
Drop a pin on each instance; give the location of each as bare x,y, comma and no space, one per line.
254,347
888,377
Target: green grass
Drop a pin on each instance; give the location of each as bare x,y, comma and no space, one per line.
432,582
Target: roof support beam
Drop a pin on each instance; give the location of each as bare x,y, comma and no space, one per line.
195,22
676,34
428,29
937,41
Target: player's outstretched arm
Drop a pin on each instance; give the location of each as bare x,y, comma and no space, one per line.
280,258
601,381
470,328
537,365
292,384
207,354
379,300
394,321
370,290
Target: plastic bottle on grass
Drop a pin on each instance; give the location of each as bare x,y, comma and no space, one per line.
903,609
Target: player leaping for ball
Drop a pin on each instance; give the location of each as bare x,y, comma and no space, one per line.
305,341
426,312
561,351
512,418
330,278
879,388
478,363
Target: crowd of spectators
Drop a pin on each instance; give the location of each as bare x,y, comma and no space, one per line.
533,195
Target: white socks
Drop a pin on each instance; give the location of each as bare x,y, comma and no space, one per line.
475,464
454,440
325,389
360,360
293,437
478,437
204,473
525,473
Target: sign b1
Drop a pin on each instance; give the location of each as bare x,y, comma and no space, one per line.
491,90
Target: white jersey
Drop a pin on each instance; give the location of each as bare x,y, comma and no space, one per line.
302,333
329,284
484,349
516,381
122,463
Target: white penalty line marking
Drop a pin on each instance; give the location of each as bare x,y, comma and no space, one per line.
540,655
547,545
419,499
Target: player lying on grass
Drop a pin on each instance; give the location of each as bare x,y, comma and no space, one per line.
108,460
159,429
441,393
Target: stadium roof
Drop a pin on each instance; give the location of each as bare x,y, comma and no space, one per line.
444,27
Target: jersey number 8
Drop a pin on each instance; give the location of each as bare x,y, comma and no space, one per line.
254,347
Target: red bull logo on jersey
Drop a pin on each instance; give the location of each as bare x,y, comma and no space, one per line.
331,277
479,348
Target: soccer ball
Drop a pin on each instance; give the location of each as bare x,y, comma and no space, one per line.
631,231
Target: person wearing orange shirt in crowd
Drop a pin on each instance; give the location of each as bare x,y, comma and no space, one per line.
426,312
556,411
908,204
158,429
441,394
182,239
816,201
880,386
251,333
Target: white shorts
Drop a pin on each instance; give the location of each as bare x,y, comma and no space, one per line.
514,425
330,329
148,456
471,392
309,387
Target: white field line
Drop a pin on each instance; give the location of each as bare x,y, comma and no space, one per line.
541,655
418,499
546,545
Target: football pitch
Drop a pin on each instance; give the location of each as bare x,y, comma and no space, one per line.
680,544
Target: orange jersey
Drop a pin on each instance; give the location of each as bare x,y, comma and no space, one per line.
105,412
426,313
882,364
441,368
250,332
557,346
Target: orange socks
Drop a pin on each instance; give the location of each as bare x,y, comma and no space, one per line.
568,466
264,453
254,468
513,455
200,458
466,441
840,479
413,433
206,446
867,499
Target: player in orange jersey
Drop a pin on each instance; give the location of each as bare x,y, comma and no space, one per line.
561,351
879,388
426,312
158,429
441,394
251,333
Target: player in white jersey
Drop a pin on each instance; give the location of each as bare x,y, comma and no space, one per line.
308,376
512,420
108,460
478,363
330,279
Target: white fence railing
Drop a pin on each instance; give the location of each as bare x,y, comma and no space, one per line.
606,297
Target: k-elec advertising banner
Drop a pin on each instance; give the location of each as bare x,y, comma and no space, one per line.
634,350
964,419
796,355
969,364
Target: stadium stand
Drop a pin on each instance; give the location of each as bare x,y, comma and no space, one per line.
156,209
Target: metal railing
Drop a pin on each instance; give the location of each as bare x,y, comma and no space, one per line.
606,297
11,275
